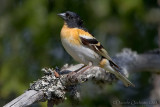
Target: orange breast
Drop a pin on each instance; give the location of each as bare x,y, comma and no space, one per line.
72,34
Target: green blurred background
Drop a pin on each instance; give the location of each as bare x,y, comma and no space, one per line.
29,41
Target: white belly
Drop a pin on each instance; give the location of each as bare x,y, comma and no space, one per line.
81,54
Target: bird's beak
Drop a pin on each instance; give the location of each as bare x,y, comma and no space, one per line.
62,15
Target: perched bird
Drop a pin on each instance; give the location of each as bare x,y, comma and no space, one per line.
85,48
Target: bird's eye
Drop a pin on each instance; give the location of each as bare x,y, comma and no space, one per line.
67,15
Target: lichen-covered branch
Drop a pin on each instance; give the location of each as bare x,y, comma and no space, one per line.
55,83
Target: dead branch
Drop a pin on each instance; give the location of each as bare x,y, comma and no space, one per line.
55,83
26,99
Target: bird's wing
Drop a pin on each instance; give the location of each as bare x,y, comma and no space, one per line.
93,44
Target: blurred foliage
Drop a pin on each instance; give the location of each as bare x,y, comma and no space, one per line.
29,40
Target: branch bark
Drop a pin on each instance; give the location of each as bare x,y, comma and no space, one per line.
26,99
53,86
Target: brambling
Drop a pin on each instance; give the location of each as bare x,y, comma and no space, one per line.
84,48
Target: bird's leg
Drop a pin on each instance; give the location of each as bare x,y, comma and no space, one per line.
81,70
76,71
85,67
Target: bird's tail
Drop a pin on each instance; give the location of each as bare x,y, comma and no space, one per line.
114,69
124,79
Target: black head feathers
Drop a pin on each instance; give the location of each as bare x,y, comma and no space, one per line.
72,19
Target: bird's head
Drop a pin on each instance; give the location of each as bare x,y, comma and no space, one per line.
71,19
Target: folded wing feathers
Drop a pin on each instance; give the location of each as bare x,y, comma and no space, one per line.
92,43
